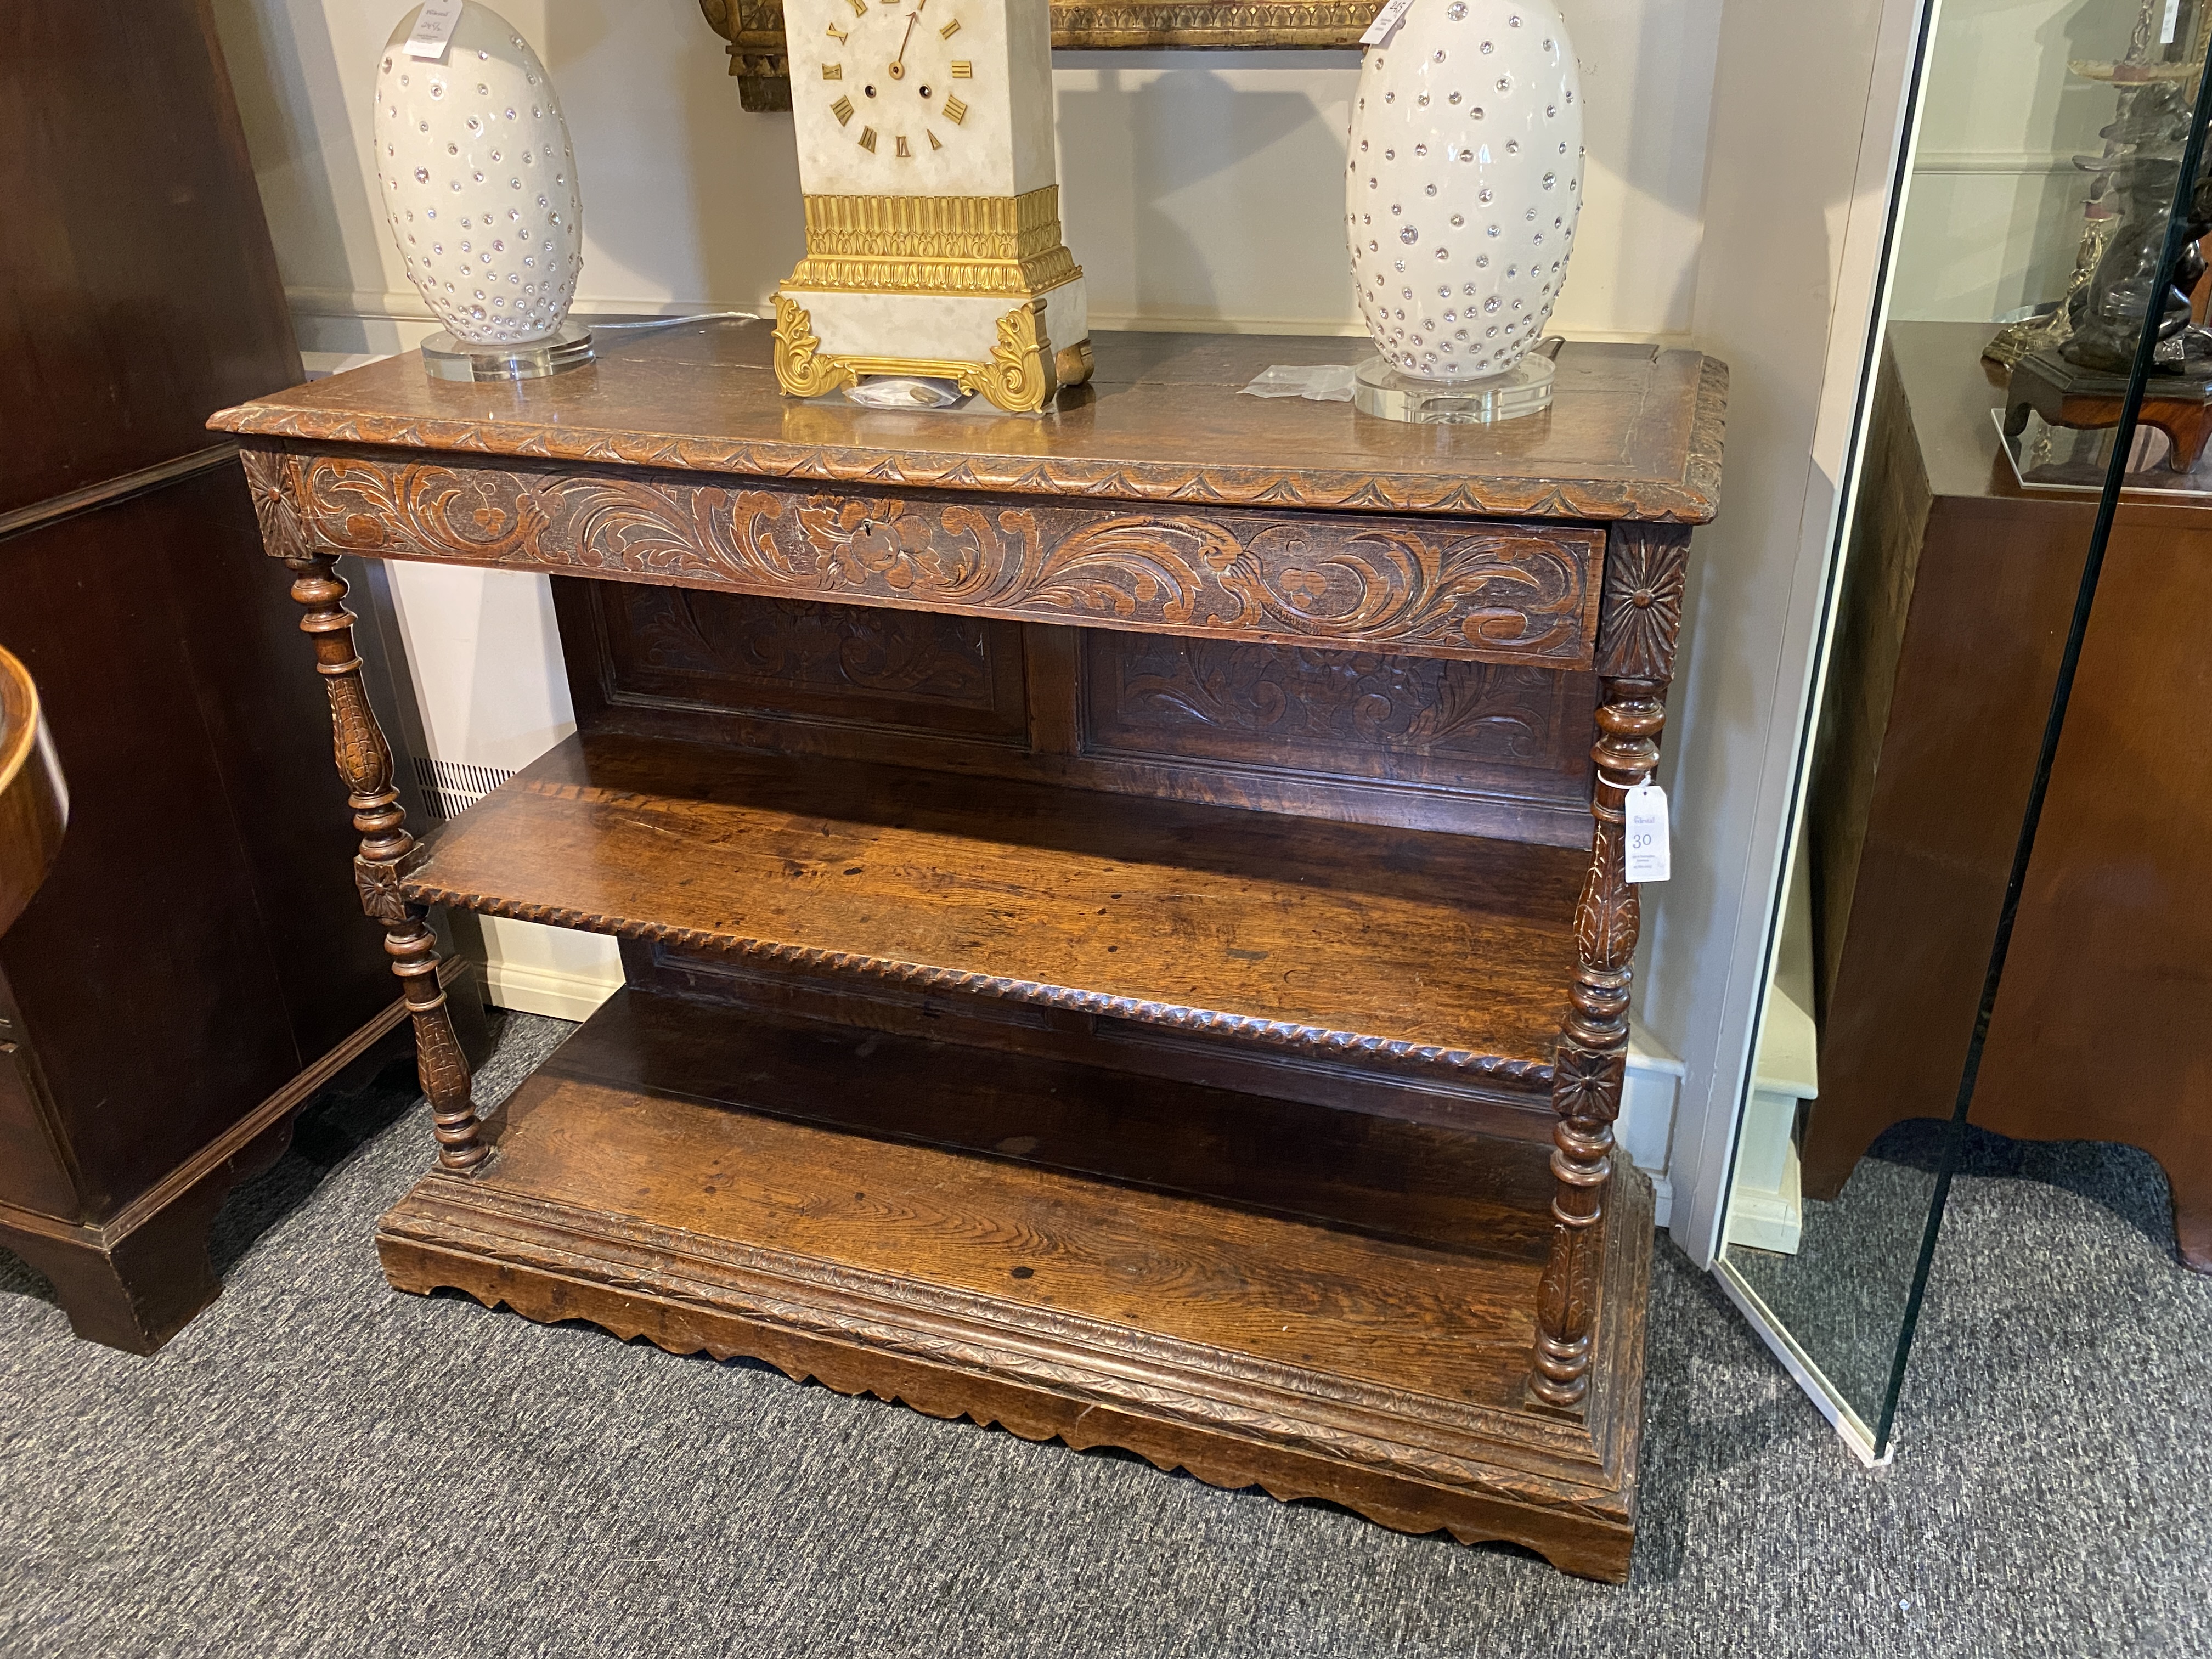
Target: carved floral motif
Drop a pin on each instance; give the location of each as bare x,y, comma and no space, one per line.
1646,568
1494,593
1586,1085
377,881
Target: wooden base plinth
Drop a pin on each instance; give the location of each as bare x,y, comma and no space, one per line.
2065,394
1349,1316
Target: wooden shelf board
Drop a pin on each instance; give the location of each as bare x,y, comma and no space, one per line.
1333,938
684,1172
1435,1186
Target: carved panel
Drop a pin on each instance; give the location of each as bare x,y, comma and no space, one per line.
1345,714
1646,568
866,666
1497,593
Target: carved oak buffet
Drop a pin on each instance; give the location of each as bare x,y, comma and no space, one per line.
1117,941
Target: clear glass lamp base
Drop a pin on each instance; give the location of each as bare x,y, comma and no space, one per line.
446,358
1524,389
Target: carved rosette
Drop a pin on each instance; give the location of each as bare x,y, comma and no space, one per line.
268,480
1646,568
378,885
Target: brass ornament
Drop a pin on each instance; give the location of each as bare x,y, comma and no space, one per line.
1009,245
800,367
1020,377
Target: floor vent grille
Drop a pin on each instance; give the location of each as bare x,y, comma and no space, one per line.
451,787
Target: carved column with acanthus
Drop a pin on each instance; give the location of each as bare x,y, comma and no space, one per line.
364,761
1641,614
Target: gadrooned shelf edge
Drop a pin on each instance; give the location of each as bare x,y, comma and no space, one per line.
1534,1076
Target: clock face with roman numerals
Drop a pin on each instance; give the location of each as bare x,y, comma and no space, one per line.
896,78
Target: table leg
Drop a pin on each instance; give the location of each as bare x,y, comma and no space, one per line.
1592,1057
364,761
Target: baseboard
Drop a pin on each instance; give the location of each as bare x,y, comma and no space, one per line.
547,991
1663,1196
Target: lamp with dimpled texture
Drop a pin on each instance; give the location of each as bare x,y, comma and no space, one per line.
479,186
1463,182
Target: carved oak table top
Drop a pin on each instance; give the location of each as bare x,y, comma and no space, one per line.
1634,431
1249,1181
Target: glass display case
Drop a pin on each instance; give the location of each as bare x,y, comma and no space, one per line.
1985,905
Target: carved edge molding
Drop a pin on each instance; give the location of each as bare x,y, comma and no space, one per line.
1488,592
1708,431
1688,501
1534,1076
1060,1356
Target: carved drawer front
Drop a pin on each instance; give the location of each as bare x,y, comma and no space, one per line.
1495,592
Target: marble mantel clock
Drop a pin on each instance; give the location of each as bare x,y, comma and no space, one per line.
932,208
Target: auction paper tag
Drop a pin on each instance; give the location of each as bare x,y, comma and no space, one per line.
1385,21
2167,26
1647,852
434,28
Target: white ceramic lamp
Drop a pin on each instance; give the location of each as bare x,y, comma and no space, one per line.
479,186
1462,186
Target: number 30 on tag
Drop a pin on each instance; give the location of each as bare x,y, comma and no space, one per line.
1646,830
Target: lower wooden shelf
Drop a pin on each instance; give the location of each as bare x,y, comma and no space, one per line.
1324,1305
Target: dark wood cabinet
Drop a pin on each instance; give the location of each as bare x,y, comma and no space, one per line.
1954,612
181,981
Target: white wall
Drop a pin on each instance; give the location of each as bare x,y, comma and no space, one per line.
1198,188
1995,209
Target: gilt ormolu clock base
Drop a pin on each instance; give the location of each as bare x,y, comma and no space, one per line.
881,1214
1017,363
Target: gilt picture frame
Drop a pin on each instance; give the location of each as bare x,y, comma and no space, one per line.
753,30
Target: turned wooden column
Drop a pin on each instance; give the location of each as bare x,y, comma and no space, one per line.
1641,615
364,761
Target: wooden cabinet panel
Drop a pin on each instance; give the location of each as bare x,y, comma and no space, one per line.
1339,714
899,670
31,1172
138,290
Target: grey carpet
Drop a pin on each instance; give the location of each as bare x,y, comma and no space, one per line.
318,1466
1844,1294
